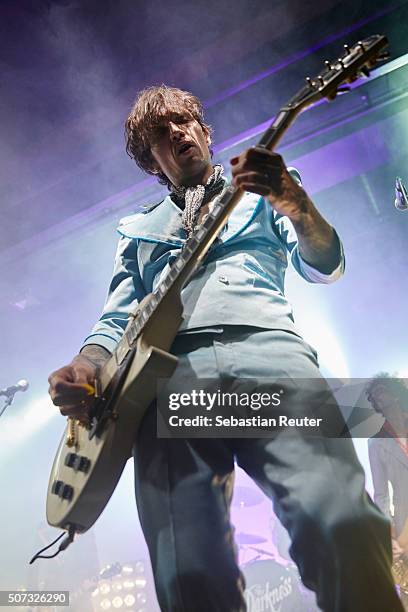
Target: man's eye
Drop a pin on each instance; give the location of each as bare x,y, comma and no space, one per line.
181,119
157,132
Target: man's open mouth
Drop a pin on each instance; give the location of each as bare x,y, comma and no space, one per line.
186,146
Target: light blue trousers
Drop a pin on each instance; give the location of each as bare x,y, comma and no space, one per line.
340,541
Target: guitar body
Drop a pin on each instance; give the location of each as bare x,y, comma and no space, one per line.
86,471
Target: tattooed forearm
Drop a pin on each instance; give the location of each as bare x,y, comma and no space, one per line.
95,353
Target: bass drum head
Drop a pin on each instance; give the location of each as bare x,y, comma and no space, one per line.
271,587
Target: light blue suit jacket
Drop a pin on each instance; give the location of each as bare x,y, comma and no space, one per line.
241,281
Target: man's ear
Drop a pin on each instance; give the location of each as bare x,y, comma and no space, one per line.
154,168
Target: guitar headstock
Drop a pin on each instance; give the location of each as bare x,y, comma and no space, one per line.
356,61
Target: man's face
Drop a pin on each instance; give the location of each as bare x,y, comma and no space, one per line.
179,147
383,400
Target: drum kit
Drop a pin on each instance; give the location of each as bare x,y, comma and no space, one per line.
272,584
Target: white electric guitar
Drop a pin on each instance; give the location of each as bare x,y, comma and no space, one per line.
91,457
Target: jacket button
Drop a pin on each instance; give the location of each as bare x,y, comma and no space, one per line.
223,279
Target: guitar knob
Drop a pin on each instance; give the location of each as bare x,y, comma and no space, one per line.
70,459
82,464
78,463
64,491
57,487
67,492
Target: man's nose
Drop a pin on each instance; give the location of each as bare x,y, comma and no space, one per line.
175,130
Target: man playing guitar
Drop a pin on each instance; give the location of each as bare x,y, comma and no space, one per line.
237,323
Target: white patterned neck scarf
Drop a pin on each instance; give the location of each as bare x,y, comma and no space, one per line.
195,196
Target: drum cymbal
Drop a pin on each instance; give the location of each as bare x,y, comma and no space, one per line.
245,497
246,539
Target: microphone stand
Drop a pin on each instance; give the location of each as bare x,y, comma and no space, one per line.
8,401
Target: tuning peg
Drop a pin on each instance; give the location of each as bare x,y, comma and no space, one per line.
346,48
361,45
321,80
310,83
328,65
341,62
